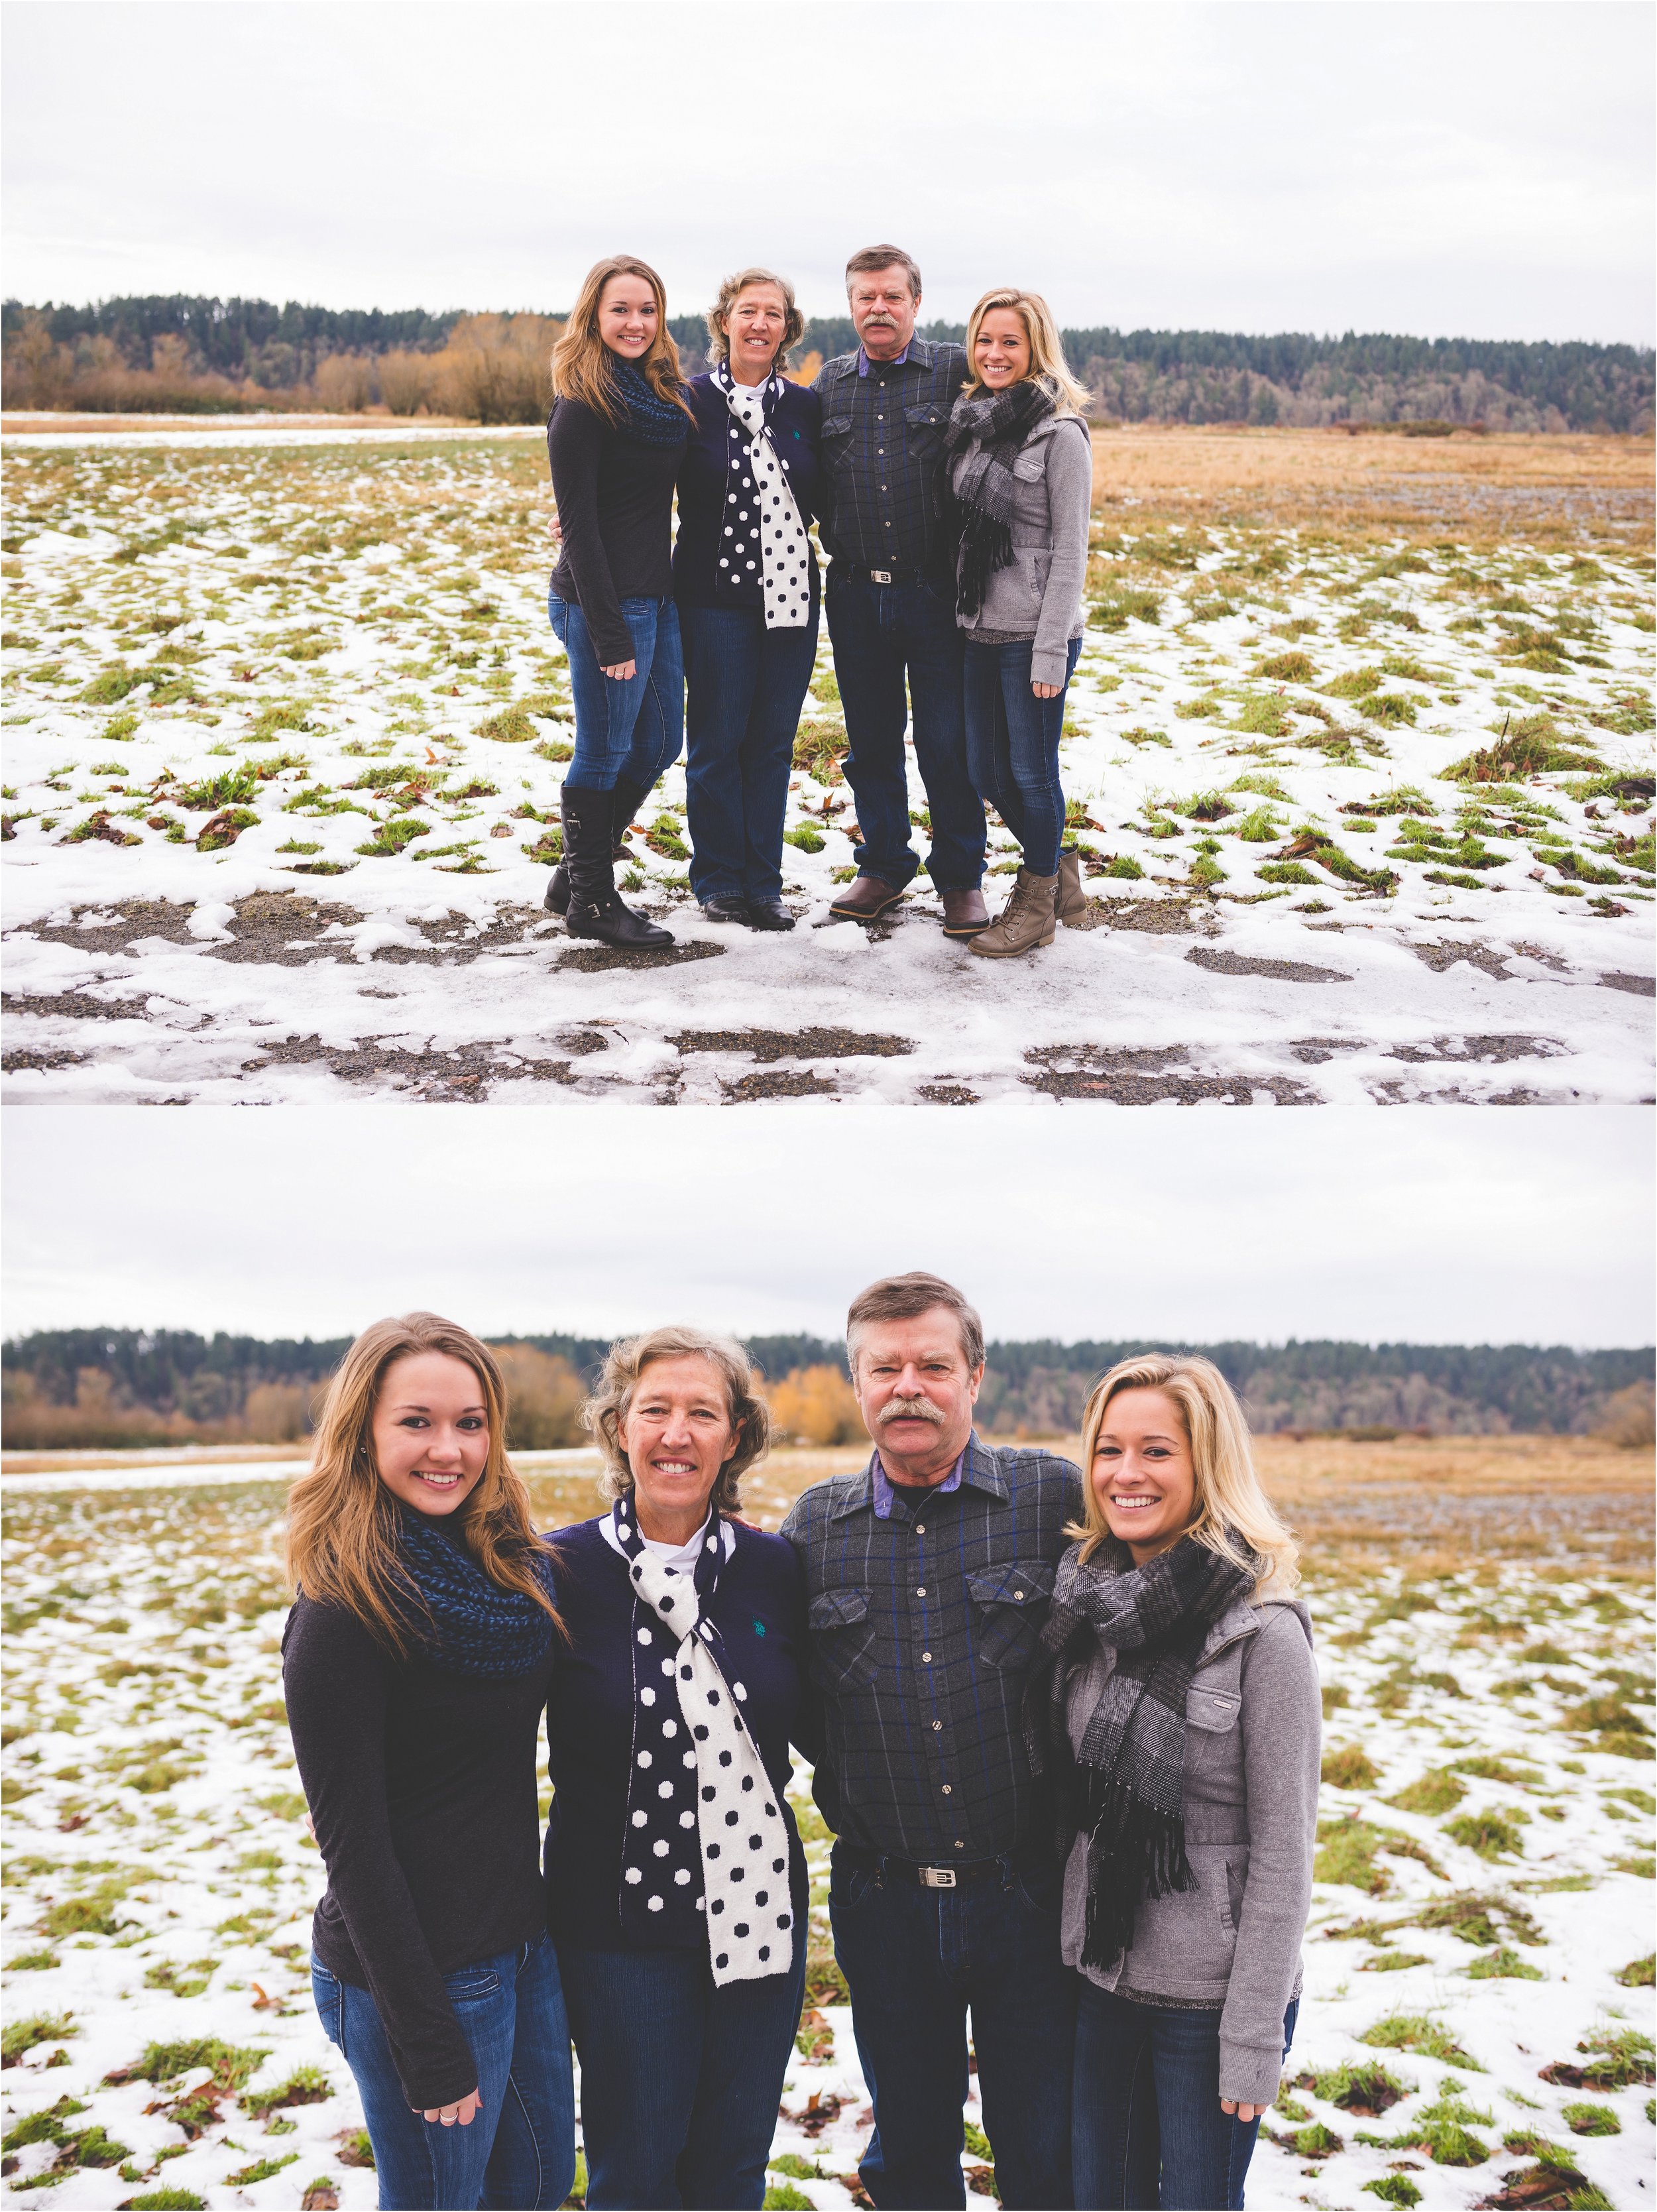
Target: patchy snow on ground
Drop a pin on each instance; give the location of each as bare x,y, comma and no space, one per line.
288,704
1478,2000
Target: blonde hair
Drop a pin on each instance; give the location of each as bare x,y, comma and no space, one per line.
342,1546
718,317
1231,1507
609,1405
581,363
1047,362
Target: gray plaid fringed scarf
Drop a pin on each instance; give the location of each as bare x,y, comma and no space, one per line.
1126,1787
992,431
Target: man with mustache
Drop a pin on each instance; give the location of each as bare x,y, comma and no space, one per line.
887,517
928,1577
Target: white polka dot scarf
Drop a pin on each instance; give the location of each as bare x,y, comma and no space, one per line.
763,536
706,1841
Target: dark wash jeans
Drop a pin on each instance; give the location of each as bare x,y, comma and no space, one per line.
680,2080
1012,746
1148,2130
917,1961
625,732
518,2154
880,632
745,685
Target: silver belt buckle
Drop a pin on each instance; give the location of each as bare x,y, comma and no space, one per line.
884,576
938,1877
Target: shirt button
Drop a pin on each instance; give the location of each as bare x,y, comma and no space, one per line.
1018,1596
921,1589
937,1724
949,1790
920,1528
927,1656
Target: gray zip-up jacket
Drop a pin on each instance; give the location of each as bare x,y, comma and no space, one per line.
1040,595
1253,1740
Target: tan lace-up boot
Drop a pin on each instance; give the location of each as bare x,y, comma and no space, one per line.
1072,902
1025,922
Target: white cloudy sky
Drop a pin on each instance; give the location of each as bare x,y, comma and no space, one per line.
1476,167
1446,1225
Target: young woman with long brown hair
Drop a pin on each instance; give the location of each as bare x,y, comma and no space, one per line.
1182,1729
614,439
422,1646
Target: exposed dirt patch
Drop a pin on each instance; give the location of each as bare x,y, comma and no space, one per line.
1486,957
462,1075
804,1085
281,928
1494,1049
596,959
75,1006
1637,986
119,925
1312,1051
767,1045
1125,1078
23,1063
1220,962
947,1094
1160,917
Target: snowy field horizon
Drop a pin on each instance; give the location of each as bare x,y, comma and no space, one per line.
1358,752
1476,2024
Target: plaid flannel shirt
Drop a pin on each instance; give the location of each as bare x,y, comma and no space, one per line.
885,499
923,1628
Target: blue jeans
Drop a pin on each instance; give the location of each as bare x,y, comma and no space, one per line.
916,1962
744,686
680,2080
519,2153
1012,746
624,733
1148,2128
880,632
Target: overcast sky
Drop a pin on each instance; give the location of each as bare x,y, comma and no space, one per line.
1426,1225
1473,167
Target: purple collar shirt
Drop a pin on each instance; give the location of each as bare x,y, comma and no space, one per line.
885,1493
896,361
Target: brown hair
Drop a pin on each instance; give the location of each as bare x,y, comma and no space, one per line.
903,1298
1230,1503
581,366
1047,363
607,1408
718,316
342,1519
883,257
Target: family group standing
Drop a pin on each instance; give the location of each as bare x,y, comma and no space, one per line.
1064,1724
950,487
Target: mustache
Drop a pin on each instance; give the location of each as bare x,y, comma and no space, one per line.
909,1409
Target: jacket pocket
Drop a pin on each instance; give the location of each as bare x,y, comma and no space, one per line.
1184,1944
1215,1710
1008,1607
842,1642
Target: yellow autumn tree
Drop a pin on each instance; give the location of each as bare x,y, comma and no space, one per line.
815,1405
544,1394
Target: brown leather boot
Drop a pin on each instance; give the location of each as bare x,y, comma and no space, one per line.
864,899
964,912
1072,902
1026,922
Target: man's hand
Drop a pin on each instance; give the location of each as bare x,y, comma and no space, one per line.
454,2116
1244,2112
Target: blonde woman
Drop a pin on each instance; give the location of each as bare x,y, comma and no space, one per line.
1020,460
1181,1723
616,438
416,1660
676,1884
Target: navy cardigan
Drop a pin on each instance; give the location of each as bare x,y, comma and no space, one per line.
758,1608
795,427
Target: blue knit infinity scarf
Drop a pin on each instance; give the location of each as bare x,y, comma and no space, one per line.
645,414
461,1619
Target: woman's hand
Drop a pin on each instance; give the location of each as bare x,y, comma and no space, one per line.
1244,2112
454,2116
1046,690
623,672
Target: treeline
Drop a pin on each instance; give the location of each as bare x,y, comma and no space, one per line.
179,353
111,1387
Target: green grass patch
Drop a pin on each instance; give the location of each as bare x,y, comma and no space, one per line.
261,2170
1394,2189
513,725
233,2065
1436,1792
306,2085
1502,1965
1286,668
1348,1766
1636,1975
1491,1835
21,2035
1420,2033
1366,2088
1590,2120
1443,2130
389,840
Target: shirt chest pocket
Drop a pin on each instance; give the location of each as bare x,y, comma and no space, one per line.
925,422
836,439
842,1640
1008,1606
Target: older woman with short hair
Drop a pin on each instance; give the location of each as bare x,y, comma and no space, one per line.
676,1883
745,580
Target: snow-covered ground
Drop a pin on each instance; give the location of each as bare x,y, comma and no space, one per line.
1483,1895
286,726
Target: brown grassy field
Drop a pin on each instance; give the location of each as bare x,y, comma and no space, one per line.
1428,1506
1552,490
